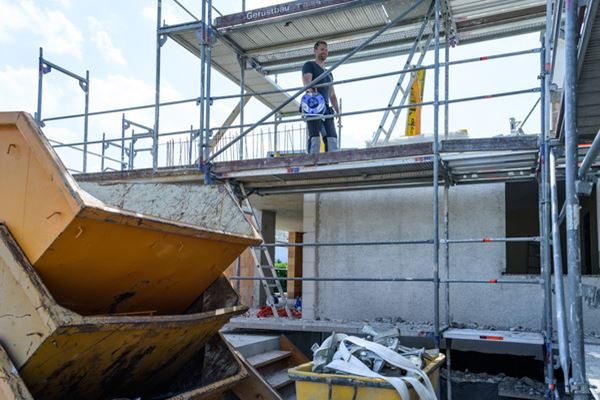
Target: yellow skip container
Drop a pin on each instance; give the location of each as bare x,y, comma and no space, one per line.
316,386
60,354
97,259
98,302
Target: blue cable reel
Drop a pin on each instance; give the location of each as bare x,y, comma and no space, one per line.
312,104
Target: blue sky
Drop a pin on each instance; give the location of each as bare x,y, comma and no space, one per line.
115,40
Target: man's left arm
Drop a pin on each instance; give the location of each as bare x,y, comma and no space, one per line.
334,101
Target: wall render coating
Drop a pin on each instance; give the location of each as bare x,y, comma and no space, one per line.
476,211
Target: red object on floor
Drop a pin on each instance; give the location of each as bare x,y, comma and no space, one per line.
267,312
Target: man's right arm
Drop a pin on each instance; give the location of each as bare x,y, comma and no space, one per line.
307,76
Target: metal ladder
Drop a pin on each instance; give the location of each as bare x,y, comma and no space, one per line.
272,287
398,88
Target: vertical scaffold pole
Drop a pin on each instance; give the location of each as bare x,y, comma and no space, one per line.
447,184
447,204
86,88
436,236
103,151
446,78
579,384
544,225
242,92
157,88
276,133
202,42
123,127
561,315
447,288
207,100
38,114
340,125
190,148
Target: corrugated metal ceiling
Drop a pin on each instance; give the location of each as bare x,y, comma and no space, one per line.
588,89
225,61
283,43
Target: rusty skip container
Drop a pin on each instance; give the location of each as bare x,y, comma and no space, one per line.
212,371
60,354
98,259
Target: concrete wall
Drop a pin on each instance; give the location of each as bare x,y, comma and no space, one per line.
475,211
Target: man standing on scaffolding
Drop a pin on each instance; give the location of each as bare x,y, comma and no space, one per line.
311,71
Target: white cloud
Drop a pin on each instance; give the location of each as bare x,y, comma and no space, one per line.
63,3
108,50
12,18
118,91
19,88
149,12
19,92
53,29
102,40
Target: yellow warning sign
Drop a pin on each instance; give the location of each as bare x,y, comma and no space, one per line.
413,121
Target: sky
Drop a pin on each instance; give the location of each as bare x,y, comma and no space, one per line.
115,41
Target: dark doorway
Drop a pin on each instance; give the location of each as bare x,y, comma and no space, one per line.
522,219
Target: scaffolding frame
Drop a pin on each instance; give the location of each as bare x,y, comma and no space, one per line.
578,384
545,267
570,327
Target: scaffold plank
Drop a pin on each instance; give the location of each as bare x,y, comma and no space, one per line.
494,336
500,159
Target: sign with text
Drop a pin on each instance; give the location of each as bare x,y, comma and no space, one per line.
275,11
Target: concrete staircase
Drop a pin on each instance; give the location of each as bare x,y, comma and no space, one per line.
270,357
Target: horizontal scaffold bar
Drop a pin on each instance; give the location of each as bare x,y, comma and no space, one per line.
535,281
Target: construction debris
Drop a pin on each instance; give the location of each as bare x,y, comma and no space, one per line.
380,356
591,295
507,386
266,312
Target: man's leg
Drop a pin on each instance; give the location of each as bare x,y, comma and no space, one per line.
330,138
314,136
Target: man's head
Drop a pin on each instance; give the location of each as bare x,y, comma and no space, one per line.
321,50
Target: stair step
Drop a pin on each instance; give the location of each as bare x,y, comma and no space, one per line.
250,345
279,379
269,357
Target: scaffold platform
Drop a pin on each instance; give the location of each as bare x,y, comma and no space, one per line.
499,159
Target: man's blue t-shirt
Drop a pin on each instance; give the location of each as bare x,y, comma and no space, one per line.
311,67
